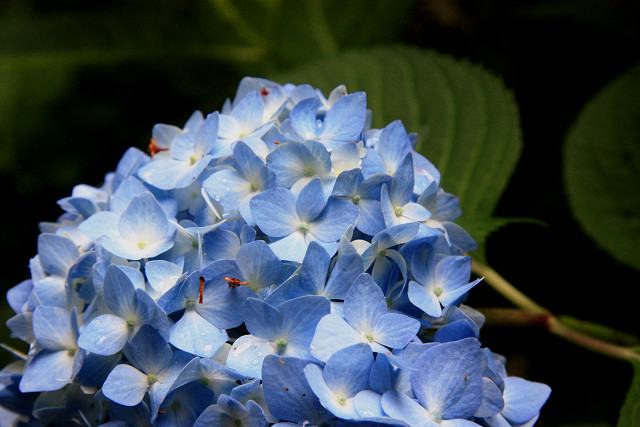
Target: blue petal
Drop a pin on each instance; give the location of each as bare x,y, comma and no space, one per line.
47,371
125,385
105,335
401,190
523,399
143,220
148,351
332,334
448,378
327,397
303,118
247,353
274,211
345,271
287,391
347,370
425,299
334,220
364,304
262,320
345,119
52,328
119,293
56,253
395,330
259,265
300,316
292,247
400,406
310,201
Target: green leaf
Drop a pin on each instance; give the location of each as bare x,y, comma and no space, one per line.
602,168
296,31
630,412
467,121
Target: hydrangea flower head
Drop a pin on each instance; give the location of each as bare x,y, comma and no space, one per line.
278,262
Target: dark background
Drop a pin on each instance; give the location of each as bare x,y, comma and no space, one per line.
70,125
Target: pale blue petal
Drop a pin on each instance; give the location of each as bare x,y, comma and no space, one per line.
492,401
400,406
523,399
262,320
395,330
425,299
143,220
259,265
334,220
332,334
274,211
345,271
300,316
345,119
47,371
52,328
119,293
291,248
367,403
401,190
56,253
347,370
105,335
327,397
289,163
125,385
164,173
101,224
370,220
227,186
415,212
364,304
448,378
303,118
310,201
247,353
205,137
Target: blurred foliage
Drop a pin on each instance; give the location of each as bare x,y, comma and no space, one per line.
82,81
603,189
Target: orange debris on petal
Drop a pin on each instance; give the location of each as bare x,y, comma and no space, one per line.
154,149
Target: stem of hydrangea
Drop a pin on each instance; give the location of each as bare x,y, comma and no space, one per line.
532,314
506,289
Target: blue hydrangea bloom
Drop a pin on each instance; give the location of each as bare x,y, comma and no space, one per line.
277,262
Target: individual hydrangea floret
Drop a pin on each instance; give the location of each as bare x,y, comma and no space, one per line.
279,262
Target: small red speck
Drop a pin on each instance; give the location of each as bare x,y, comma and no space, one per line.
388,352
276,142
465,377
162,412
304,394
201,289
264,91
286,388
281,362
235,348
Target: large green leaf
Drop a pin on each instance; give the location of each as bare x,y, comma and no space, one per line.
630,412
602,168
292,32
466,119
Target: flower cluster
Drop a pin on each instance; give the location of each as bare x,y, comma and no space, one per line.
279,261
